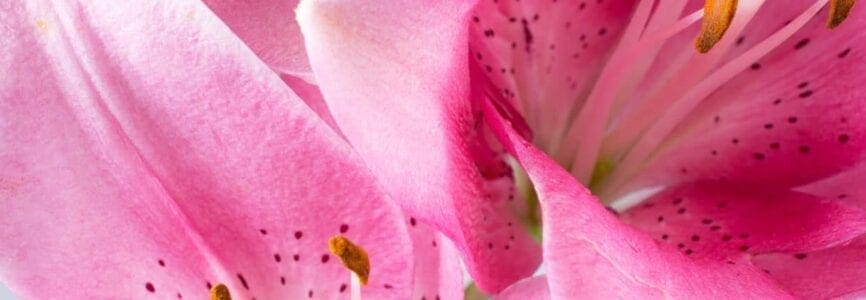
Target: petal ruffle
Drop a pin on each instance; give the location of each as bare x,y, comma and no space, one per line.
588,252
123,176
395,76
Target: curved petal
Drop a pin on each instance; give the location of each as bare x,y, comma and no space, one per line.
835,272
270,30
716,220
795,118
123,176
589,253
396,79
312,96
528,288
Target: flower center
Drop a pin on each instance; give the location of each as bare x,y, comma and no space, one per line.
629,113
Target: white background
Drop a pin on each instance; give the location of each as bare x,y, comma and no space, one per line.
5,294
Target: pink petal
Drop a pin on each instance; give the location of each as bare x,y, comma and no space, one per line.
438,274
312,96
589,253
395,76
796,117
846,186
528,288
270,30
716,220
148,152
542,55
824,274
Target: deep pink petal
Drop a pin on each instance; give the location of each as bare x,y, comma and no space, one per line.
834,272
716,220
438,274
588,252
147,152
270,30
395,76
528,288
796,117
846,186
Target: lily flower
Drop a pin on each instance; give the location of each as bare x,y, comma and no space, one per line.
738,139
146,152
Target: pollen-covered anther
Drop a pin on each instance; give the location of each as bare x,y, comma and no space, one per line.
220,292
718,15
353,257
839,10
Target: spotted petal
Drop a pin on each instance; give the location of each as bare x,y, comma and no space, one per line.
717,220
835,272
846,186
543,56
438,274
395,76
796,116
588,252
146,152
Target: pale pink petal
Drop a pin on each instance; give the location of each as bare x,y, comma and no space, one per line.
716,220
529,288
395,76
543,55
270,30
147,152
835,272
588,252
438,274
795,117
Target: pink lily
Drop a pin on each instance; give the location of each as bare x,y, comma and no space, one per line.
146,152
612,95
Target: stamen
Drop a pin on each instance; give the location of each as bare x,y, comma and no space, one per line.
839,10
220,292
718,15
686,70
353,257
637,156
